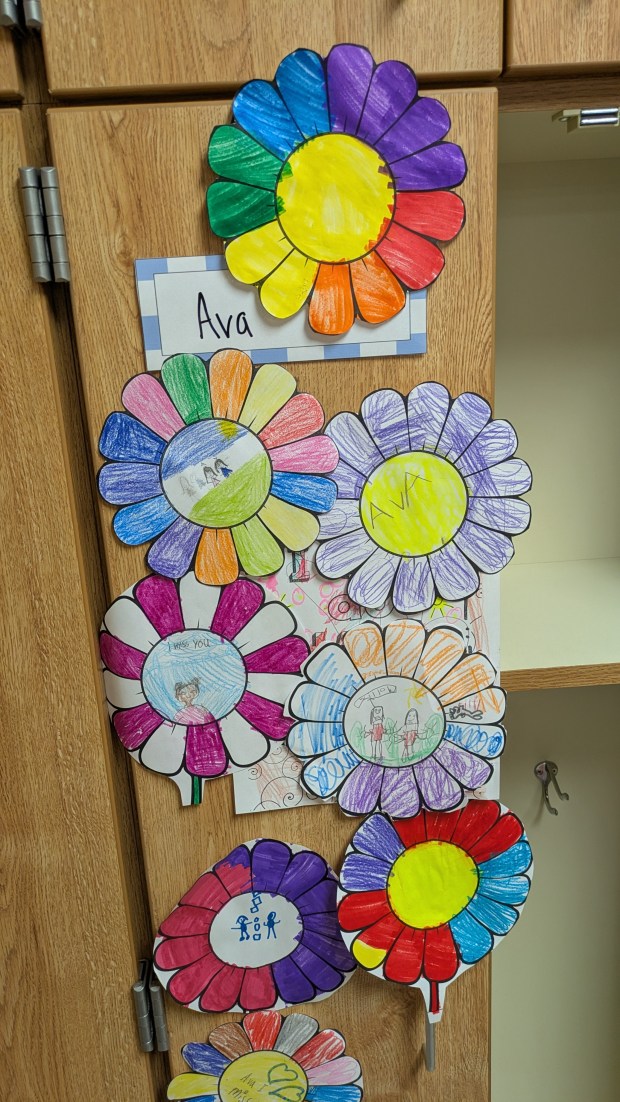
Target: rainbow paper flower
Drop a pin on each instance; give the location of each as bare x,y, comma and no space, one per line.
335,187
221,467
284,1058
423,899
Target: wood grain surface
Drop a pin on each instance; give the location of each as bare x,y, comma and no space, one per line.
133,181
149,46
68,951
562,35
594,90
10,85
560,677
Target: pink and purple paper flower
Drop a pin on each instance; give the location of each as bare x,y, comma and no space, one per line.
428,498
196,676
258,931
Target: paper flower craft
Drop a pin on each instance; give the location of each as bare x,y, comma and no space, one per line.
218,465
397,721
427,498
257,932
268,1056
335,187
196,675
423,899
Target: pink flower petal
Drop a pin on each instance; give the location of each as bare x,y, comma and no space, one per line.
134,725
336,1073
207,892
146,398
265,715
238,603
258,991
300,417
119,657
159,600
187,984
176,952
283,656
185,921
223,991
316,455
205,754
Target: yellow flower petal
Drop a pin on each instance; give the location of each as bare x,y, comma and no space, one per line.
192,1085
259,554
254,255
367,955
284,291
271,389
295,528
404,640
443,650
365,647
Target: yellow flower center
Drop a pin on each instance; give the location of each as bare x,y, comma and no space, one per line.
261,1075
413,503
431,883
335,198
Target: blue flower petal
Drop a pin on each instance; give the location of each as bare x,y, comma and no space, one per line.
515,860
204,1059
324,775
474,941
331,666
301,82
126,483
307,739
509,889
377,837
309,491
140,523
361,873
345,1093
487,741
124,438
259,109
311,701
497,917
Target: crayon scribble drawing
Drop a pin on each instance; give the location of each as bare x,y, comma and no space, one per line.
335,187
423,899
222,466
397,720
196,676
258,931
268,1056
428,498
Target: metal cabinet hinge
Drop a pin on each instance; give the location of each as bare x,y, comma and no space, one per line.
576,118
18,14
45,224
148,999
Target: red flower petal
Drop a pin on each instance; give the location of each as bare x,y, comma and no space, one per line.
223,991
300,417
324,1046
411,831
498,839
185,921
316,456
477,817
414,259
180,951
234,871
440,825
187,984
134,725
119,657
440,957
383,933
207,892
436,214
258,989
262,1029
362,909
404,961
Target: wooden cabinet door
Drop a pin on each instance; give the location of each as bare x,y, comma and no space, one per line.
562,36
132,181
10,84
149,46
70,937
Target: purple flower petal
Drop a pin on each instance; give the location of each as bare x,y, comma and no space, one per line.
332,950
377,836
414,588
126,483
425,122
490,551
343,518
427,409
205,755
325,924
441,166
270,860
359,794
320,898
159,600
371,585
305,871
392,88
354,444
496,442
350,483
385,416
470,770
399,793
361,873
349,71
293,986
504,480
506,514
324,977
172,554
455,577
468,415
439,790
238,603
343,555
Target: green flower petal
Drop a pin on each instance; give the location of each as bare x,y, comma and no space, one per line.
259,554
235,155
185,379
236,208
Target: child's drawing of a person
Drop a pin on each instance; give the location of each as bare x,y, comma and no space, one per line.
377,730
271,922
191,713
410,732
242,926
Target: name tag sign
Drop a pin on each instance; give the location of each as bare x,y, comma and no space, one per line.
192,304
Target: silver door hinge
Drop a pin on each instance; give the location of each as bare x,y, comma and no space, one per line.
21,13
576,118
45,224
148,998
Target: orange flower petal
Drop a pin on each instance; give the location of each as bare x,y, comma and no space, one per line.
365,647
331,305
378,293
230,375
216,558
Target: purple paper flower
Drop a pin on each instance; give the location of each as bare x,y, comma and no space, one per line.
257,931
399,722
427,498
